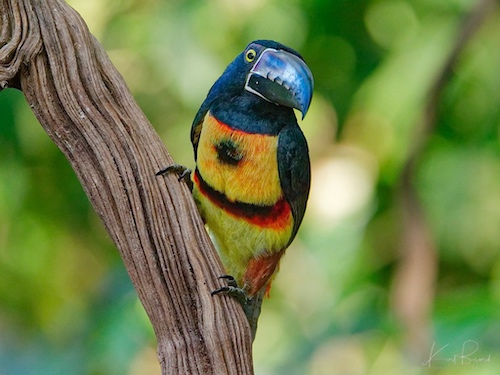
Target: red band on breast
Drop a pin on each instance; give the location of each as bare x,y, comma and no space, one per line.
276,216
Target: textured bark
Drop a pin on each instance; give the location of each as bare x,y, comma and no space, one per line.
85,107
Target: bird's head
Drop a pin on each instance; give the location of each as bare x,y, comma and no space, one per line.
271,71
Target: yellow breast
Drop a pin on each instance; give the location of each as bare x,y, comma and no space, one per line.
242,166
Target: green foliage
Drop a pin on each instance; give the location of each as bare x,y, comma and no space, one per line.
66,303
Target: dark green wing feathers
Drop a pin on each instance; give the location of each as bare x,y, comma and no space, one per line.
294,171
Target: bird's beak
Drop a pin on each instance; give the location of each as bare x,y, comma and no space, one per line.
282,78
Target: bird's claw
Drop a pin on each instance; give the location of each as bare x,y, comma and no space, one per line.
231,281
251,305
232,289
183,172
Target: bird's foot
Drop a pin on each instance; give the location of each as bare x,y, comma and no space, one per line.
232,289
251,304
183,172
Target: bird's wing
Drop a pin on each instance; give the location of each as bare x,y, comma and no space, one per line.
197,126
294,171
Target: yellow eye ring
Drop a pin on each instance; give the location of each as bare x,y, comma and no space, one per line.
250,55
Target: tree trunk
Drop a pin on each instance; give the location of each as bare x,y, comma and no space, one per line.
85,107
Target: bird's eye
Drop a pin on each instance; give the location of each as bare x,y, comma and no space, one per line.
250,55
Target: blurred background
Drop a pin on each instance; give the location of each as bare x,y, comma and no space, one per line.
396,268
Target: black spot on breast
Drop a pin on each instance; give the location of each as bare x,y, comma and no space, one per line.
228,152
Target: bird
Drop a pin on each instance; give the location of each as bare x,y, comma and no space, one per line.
252,177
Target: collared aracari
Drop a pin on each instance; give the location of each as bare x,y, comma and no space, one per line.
252,176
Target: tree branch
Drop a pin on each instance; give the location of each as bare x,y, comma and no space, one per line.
85,107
